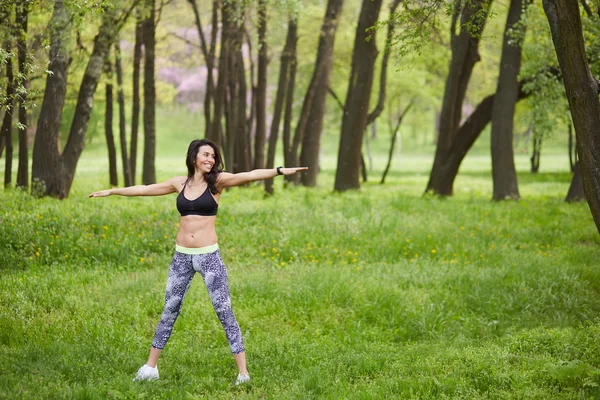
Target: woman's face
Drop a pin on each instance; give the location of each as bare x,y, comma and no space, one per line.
205,159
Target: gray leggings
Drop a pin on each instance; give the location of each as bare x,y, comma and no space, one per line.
212,269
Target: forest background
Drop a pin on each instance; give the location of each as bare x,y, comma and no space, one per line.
385,291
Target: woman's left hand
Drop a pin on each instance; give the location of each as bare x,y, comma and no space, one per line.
291,170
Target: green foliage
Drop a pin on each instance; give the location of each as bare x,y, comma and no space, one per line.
372,294
546,109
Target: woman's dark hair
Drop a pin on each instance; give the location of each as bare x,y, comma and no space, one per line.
190,162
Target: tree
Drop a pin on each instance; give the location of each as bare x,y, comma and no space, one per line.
261,88
465,54
53,172
209,58
310,122
22,15
232,90
582,93
149,41
108,126
7,121
504,173
122,130
284,93
135,101
46,171
356,110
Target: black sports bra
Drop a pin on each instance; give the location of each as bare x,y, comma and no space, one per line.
205,204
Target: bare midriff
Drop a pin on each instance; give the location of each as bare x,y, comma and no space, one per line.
197,231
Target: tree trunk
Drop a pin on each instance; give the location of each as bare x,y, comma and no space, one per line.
108,128
7,121
356,105
535,156
576,192
149,40
122,122
47,169
242,143
250,117
582,93
289,101
209,60
135,112
57,181
445,174
261,88
384,63
210,84
504,174
85,101
22,15
287,57
216,130
310,125
393,144
465,55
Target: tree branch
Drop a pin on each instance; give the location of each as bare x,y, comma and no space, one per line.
587,8
335,96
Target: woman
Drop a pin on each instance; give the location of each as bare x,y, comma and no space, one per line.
196,248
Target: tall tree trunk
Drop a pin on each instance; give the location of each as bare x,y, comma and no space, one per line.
21,25
149,40
216,130
7,121
135,112
310,125
122,122
250,117
582,93
465,54
261,88
210,84
209,60
108,128
85,101
384,63
504,173
287,57
47,169
288,158
236,140
243,157
576,192
356,106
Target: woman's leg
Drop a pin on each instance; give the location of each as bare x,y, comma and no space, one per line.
178,283
213,272
240,360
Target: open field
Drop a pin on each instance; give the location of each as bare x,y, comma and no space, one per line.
371,294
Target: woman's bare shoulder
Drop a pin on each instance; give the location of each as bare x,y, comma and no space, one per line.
178,182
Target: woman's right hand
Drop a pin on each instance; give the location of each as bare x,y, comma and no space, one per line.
101,193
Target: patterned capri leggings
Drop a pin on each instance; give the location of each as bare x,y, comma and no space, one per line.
211,267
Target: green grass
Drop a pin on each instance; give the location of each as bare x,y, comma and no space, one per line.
380,293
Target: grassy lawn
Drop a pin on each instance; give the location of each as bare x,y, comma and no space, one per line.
380,293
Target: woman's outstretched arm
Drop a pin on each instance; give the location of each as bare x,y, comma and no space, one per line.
156,189
227,179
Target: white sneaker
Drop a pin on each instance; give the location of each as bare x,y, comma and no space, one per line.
146,373
242,378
